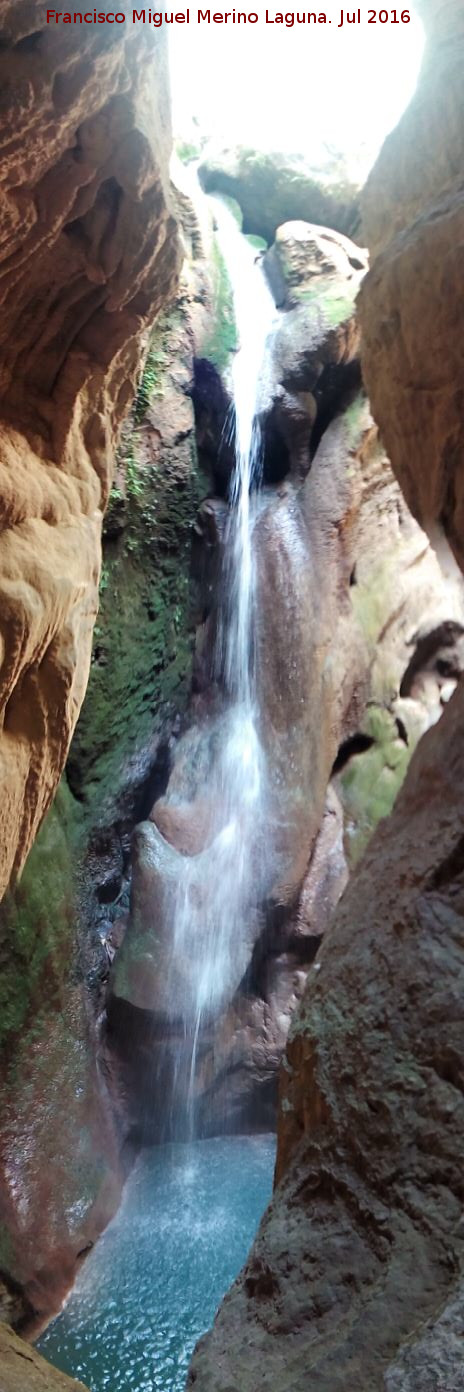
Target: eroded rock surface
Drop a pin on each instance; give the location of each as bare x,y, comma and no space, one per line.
355,1277
88,254
412,304
22,1367
348,591
363,1240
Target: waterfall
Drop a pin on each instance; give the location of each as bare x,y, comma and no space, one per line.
218,890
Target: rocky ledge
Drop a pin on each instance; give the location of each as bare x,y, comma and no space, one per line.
22,1368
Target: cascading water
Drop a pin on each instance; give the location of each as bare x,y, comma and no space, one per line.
218,890
189,1212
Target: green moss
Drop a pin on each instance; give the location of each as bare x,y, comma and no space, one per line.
234,208
143,641
152,379
356,418
371,600
222,338
187,151
330,299
38,919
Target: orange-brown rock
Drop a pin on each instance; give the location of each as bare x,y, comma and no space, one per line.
88,253
23,1370
346,582
412,302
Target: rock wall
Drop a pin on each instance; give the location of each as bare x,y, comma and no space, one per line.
412,305
363,1240
350,598
57,923
20,1362
356,1272
88,255
272,188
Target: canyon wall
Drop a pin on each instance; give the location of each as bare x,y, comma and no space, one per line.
20,1362
356,1272
359,642
89,255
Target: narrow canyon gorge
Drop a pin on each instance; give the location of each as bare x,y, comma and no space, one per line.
231,826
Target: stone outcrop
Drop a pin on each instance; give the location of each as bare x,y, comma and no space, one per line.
88,255
363,1240
57,925
348,588
22,1367
272,188
356,1272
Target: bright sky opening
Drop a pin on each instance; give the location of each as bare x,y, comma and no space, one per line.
295,89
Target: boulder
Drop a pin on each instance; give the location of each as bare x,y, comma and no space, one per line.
89,255
273,188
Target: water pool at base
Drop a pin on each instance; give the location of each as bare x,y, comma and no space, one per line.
153,1282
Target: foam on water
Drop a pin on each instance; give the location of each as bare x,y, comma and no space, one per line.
153,1282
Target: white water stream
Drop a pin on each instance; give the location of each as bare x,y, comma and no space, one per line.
217,894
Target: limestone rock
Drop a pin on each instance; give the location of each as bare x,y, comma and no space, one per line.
363,1240
21,1368
346,582
303,253
355,1277
412,303
88,255
275,188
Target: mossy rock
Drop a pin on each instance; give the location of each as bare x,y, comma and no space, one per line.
143,639
371,781
37,926
221,340
274,187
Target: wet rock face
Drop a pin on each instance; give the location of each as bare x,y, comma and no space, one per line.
59,1156
88,254
350,603
272,188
